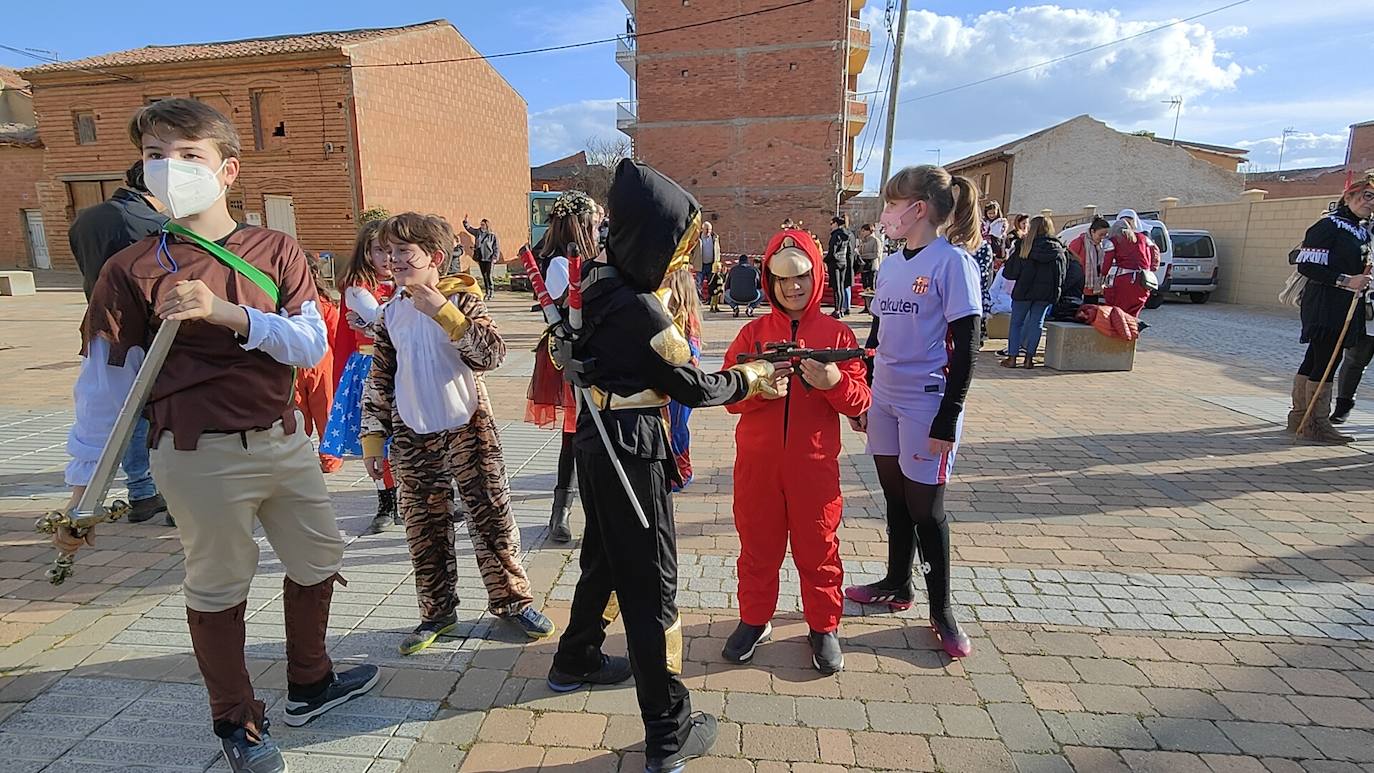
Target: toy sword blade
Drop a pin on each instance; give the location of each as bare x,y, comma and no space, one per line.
553,317
90,509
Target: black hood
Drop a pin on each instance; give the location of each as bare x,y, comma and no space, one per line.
654,225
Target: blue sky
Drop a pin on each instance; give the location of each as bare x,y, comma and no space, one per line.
1245,74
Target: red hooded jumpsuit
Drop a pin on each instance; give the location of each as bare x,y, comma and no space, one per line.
787,470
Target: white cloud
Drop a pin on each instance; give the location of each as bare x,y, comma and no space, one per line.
564,130
1301,150
1124,84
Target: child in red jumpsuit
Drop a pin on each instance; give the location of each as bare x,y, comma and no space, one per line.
787,470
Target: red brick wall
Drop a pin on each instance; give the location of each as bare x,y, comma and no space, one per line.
1329,184
312,164
1360,150
753,132
20,168
450,139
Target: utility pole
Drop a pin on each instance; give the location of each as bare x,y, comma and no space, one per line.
1282,144
892,94
1177,103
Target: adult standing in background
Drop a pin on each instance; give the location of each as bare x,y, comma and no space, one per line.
839,263
98,232
485,250
870,257
708,255
1334,258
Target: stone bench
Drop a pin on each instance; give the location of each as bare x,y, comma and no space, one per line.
1074,347
999,326
17,283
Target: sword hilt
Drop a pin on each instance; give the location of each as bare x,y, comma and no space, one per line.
50,522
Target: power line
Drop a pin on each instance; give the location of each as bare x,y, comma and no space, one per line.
31,55
1073,54
867,152
584,44
474,58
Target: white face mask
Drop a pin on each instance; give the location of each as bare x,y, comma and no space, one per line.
185,187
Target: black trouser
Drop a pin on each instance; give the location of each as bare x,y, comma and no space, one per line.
841,283
640,565
485,267
1357,358
566,459
1320,349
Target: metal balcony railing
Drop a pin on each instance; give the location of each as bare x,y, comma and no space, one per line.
626,115
625,54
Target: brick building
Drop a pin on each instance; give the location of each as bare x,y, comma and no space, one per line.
756,117
1084,162
332,123
21,167
1320,180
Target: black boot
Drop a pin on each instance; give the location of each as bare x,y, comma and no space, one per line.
386,516
558,520
1343,408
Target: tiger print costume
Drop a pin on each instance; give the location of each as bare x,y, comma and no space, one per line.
470,455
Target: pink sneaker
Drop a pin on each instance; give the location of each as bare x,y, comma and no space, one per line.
954,641
897,599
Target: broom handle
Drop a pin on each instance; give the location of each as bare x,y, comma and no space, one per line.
1335,354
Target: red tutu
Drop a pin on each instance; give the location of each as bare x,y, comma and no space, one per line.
550,395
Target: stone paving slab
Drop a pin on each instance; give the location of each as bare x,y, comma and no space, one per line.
1217,582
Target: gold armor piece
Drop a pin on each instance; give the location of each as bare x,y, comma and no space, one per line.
613,402
671,346
612,610
673,641
758,375
682,255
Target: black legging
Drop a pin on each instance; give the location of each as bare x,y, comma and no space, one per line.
916,518
1319,350
567,460
1357,357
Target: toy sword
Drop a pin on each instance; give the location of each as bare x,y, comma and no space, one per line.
91,509
553,317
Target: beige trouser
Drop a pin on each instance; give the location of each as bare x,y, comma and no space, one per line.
219,490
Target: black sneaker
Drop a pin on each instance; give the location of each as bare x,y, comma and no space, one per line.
739,648
613,670
532,623
825,652
253,756
700,738
141,510
353,683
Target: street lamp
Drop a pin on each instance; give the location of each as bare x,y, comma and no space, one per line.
936,151
1283,143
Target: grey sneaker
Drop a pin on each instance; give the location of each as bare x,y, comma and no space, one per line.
825,652
532,623
253,756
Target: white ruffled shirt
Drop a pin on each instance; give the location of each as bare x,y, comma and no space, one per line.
435,389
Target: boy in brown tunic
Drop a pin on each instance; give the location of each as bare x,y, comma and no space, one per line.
225,443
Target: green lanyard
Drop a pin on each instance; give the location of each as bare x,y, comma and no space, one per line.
248,270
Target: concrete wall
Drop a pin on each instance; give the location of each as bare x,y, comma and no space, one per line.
448,139
1253,239
1084,162
747,116
20,170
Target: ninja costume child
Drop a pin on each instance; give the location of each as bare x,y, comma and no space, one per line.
633,359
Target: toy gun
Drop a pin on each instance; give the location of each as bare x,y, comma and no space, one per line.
789,353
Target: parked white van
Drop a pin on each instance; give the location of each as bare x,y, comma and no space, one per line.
1187,259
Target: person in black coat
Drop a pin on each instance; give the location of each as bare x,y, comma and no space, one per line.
1038,268
108,227
1071,294
839,263
96,235
1334,258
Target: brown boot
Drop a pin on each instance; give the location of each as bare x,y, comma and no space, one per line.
1319,428
1301,385
218,639
308,666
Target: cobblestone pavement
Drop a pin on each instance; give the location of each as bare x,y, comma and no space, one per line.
1154,577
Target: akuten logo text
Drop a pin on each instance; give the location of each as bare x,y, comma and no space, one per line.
898,306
